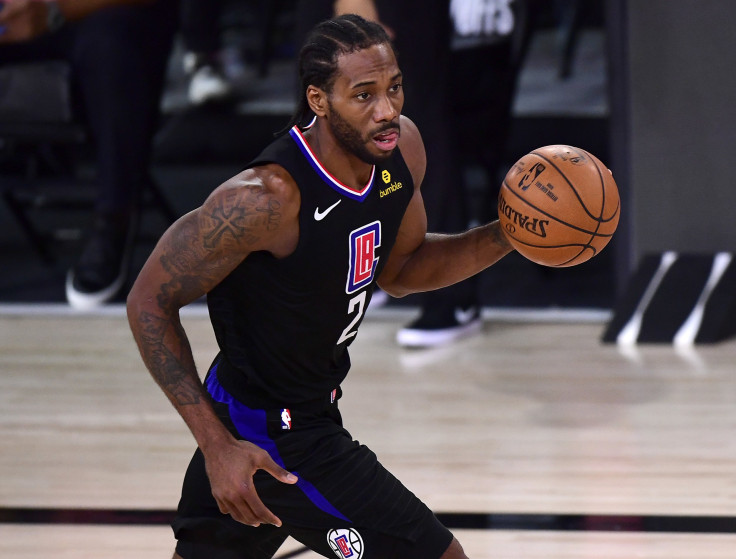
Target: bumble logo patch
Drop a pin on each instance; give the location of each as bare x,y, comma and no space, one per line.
346,543
391,186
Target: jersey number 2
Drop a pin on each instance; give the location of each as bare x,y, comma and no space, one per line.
357,301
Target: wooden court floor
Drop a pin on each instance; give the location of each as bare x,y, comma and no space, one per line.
533,440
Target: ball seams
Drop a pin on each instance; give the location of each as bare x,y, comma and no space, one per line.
510,189
572,186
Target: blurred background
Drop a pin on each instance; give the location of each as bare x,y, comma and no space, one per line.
594,76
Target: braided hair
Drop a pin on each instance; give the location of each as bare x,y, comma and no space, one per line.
318,57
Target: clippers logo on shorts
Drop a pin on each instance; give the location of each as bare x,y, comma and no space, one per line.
346,543
285,419
363,260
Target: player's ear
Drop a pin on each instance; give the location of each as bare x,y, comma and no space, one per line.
317,100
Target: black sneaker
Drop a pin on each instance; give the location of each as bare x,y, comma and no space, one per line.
103,265
440,326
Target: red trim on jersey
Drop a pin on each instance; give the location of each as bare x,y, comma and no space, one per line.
307,150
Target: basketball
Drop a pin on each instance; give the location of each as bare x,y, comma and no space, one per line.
559,206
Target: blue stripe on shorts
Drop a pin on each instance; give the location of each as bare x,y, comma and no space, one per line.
252,426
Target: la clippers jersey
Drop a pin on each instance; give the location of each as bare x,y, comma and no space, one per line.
284,325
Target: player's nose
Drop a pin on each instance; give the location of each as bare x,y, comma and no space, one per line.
385,110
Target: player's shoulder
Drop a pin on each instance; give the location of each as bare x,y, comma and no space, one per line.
268,180
259,208
275,179
410,135
263,192
412,149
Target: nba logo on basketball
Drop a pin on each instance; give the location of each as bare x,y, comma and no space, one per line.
346,543
362,258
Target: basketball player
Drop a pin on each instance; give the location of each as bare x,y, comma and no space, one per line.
288,253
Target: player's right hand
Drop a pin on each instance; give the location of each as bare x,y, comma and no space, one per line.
231,469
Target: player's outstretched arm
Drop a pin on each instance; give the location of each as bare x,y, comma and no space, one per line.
422,261
254,211
441,260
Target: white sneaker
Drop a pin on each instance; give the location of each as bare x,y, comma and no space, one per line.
208,84
437,327
379,299
101,270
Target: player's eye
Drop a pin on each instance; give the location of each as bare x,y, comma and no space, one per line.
362,96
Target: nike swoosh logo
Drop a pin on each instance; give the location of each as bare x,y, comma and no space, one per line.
319,216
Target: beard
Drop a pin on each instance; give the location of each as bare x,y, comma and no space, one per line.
350,138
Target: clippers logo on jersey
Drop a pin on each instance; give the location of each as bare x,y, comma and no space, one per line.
362,258
346,543
285,419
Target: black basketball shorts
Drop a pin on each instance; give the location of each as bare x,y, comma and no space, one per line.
345,504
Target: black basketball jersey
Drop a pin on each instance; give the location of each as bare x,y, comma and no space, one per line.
284,325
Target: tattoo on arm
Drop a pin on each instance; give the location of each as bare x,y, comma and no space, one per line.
225,228
241,216
178,378
498,237
206,245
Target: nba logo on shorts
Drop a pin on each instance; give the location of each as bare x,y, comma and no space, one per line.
346,543
285,419
363,260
